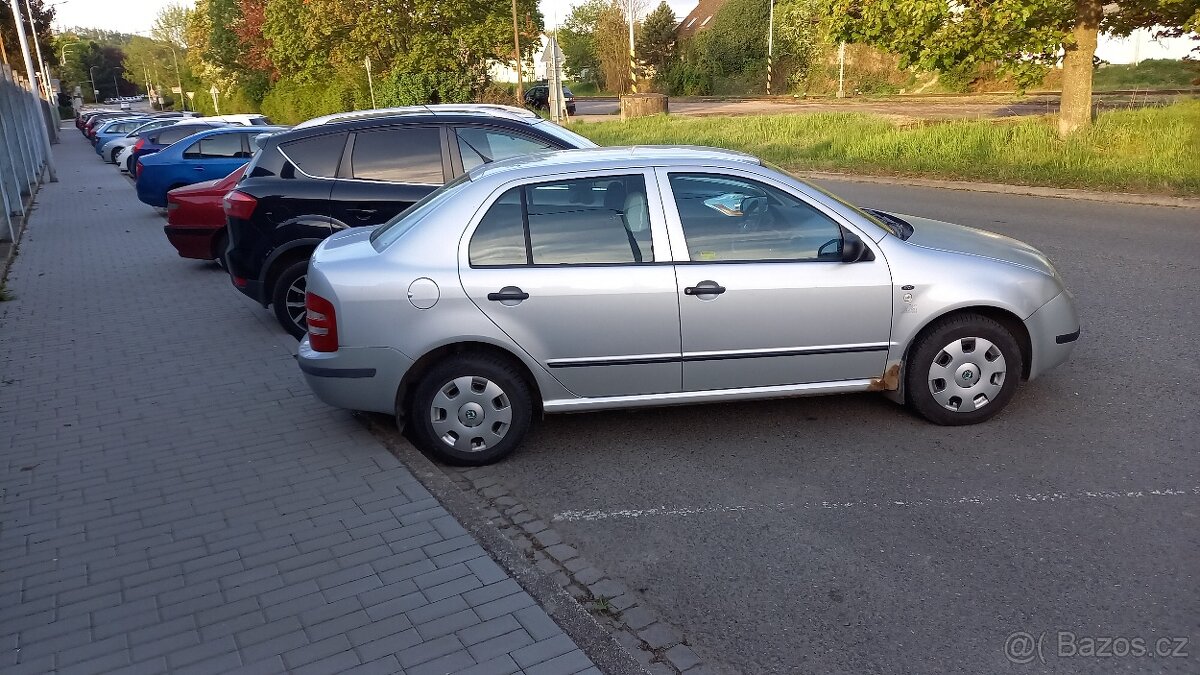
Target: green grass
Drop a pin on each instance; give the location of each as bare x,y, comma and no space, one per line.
1151,74
1147,150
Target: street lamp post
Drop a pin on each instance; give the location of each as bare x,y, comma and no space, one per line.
117,87
92,78
770,42
37,47
179,79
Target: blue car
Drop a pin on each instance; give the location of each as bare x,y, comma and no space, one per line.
203,156
116,129
109,149
149,142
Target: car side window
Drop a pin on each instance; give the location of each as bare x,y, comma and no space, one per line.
221,146
586,221
479,145
727,218
398,155
317,155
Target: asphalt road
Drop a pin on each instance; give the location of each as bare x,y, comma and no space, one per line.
844,535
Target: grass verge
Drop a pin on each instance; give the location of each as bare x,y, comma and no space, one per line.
1155,150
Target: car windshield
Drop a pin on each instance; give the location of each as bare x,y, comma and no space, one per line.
569,138
886,222
385,234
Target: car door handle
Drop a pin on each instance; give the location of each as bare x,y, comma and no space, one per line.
364,213
197,168
509,294
704,290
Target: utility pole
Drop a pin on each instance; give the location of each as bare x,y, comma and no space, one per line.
517,54
770,41
117,87
632,58
37,47
43,134
370,82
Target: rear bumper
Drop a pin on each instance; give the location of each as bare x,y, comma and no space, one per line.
1053,333
354,378
192,241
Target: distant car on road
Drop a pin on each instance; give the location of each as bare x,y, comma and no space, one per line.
358,169
207,155
196,218
631,277
538,97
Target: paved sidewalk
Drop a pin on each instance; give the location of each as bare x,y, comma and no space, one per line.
172,498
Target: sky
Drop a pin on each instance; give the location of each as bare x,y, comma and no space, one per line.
136,16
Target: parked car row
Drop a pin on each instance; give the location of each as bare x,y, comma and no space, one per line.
468,268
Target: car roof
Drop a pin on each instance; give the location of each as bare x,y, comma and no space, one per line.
630,157
235,129
484,109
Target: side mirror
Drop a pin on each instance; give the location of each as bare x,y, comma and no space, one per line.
853,248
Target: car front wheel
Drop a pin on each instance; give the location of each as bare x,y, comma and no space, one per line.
963,370
470,411
287,299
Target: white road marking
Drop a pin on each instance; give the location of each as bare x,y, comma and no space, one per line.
1082,495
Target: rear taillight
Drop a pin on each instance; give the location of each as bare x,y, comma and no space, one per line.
137,170
240,282
322,323
239,205
141,142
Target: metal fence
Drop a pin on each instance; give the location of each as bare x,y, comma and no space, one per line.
27,127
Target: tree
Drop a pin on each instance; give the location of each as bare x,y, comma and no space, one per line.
40,21
170,25
656,41
1023,37
611,42
577,37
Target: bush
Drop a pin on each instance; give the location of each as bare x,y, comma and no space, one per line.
65,112
421,88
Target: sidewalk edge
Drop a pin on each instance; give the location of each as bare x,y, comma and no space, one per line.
608,654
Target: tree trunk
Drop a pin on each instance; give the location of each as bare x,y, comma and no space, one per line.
1075,109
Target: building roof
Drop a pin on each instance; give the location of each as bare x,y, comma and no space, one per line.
699,18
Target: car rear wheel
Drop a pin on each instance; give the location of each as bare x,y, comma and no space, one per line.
287,299
220,250
112,158
963,370
470,411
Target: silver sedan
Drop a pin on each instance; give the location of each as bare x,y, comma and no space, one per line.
627,277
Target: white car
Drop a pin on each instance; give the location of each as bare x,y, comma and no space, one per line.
246,120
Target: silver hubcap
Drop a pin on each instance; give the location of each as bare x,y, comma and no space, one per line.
471,414
967,374
294,299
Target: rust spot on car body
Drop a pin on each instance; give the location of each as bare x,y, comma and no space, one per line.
890,380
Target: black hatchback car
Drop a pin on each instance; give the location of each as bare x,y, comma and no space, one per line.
538,97
358,169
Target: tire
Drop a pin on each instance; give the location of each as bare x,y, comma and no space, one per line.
113,156
461,386
963,370
289,290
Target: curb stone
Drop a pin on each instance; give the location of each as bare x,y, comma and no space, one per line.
539,575
1009,189
659,647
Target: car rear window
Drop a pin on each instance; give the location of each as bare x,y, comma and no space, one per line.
174,135
317,155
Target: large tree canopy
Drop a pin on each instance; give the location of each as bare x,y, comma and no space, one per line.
43,16
1022,37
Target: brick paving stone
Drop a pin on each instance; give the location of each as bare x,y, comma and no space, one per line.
188,505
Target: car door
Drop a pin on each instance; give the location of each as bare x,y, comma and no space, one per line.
215,156
386,170
764,297
569,269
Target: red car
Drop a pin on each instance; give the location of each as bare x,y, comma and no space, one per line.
196,218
